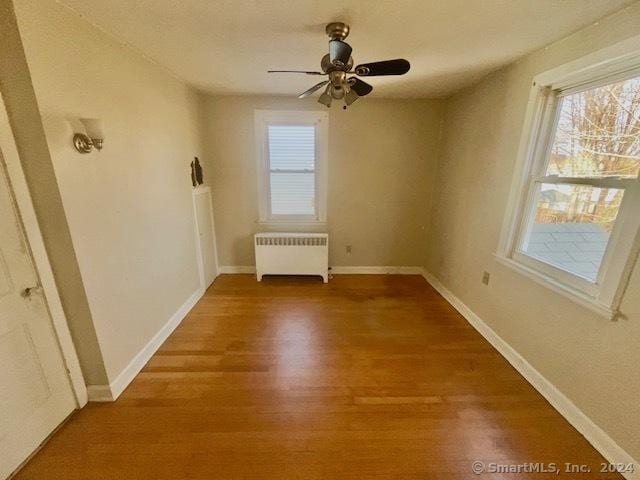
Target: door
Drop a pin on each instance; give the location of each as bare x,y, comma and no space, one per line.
35,390
206,235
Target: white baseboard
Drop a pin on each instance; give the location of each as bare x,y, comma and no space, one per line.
340,270
600,440
109,393
337,270
237,269
100,393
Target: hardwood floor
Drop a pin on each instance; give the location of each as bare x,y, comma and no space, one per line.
367,377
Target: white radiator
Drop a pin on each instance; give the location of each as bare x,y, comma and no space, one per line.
292,254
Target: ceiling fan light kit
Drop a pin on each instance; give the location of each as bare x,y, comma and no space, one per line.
338,65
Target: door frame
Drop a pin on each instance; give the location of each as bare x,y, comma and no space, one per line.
204,190
29,223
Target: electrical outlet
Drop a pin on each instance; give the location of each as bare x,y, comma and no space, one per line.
485,278
349,249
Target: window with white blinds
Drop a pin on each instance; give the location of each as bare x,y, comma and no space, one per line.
292,164
292,148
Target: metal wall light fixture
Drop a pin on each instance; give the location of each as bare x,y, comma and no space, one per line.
92,138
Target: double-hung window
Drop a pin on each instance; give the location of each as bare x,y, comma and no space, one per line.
292,153
576,208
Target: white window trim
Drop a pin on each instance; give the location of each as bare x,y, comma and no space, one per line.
320,119
603,297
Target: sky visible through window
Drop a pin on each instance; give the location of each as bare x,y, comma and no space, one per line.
598,133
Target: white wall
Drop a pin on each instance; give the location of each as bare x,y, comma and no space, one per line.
129,206
26,125
382,160
593,361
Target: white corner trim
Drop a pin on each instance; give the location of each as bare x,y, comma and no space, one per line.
237,269
597,437
109,393
340,270
204,190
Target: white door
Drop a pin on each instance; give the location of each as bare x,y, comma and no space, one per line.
35,391
206,237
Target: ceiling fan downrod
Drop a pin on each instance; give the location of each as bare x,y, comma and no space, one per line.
338,64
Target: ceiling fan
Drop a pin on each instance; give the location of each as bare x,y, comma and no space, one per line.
338,64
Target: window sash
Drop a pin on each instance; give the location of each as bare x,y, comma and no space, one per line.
545,126
263,119
613,63
271,171
598,81
573,279
292,216
602,182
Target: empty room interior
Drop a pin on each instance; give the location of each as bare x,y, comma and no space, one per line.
270,239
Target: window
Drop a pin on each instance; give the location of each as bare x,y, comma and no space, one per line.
292,150
292,165
577,219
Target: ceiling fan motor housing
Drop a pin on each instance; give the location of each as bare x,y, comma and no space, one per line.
328,67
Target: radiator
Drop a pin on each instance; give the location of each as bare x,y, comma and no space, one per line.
292,254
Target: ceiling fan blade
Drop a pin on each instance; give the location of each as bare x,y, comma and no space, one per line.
296,71
399,66
360,87
339,51
317,86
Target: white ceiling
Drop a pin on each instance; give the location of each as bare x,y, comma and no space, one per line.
226,46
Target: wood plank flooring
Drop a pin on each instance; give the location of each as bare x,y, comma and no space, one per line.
367,377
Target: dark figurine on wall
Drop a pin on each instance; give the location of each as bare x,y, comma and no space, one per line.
196,172
193,176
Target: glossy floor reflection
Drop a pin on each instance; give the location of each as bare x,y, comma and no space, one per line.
367,377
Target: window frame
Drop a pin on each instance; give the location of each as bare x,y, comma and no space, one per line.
603,296
262,120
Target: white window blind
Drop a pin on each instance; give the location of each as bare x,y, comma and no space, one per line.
292,169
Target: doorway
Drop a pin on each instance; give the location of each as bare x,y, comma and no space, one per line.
205,236
36,394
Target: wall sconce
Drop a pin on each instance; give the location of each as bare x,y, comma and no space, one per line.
93,138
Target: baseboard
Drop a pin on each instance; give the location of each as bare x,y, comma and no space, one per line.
109,393
600,440
100,393
341,270
338,270
237,269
